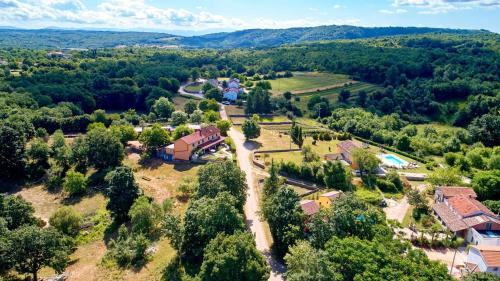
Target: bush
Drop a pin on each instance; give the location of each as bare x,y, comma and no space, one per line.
74,183
144,215
128,250
66,220
386,186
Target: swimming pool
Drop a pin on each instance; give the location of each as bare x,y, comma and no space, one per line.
391,160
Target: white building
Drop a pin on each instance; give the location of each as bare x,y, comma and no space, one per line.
483,258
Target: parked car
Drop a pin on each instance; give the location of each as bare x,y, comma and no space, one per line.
226,103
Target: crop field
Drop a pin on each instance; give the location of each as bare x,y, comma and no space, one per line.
303,82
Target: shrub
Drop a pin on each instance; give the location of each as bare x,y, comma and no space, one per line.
144,215
66,220
74,183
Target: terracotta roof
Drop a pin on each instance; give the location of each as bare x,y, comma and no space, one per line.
331,195
475,220
466,206
348,145
490,254
200,134
310,207
451,191
450,219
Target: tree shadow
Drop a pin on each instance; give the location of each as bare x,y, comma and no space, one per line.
173,271
182,167
251,145
150,163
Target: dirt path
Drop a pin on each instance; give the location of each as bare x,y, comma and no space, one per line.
397,210
244,151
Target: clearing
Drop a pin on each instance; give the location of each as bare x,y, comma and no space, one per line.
180,101
303,82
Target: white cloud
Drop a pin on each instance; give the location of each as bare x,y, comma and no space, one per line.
337,6
444,6
303,22
110,13
392,12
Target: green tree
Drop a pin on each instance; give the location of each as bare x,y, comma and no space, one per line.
179,118
487,184
196,116
145,216
181,131
305,263
308,155
66,220
38,153
223,126
122,192
214,93
344,96
211,116
153,138
12,151
215,178
367,164
190,106
124,132
296,135
443,176
251,129
104,150
188,186
273,182
163,108
233,257
207,217
209,104
16,211
285,217
34,248
336,176
74,183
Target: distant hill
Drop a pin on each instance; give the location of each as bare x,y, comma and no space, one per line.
63,39
251,38
276,37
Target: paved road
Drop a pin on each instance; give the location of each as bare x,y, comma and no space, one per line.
183,92
244,151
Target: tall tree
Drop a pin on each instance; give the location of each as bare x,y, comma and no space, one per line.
163,108
104,150
11,152
207,217
251,129
296,134
16,211
285,217
367,163
153,138
336,176
34,248
122,192
305,263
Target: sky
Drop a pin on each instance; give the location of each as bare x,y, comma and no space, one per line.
227,15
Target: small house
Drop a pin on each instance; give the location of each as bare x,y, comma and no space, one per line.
346,148
484,259
326,199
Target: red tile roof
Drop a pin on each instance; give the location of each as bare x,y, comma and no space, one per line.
348,145
451,191
310,207
200,134
450,219
466,206
490,254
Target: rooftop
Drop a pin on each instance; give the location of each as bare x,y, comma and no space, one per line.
200,134
332,194
452,191
490,254
310,207
348,145
452,220
466,206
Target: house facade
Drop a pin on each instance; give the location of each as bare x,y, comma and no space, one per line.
326,199
201,140
484,259
458,210
233,90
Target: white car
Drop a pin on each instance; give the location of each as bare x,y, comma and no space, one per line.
226,103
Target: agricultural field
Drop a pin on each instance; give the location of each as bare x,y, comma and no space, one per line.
303,82
332,94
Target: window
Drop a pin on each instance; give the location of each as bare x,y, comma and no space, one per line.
488,225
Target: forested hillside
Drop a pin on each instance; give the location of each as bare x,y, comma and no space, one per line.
57,39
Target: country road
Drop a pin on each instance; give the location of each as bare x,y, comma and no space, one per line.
244,152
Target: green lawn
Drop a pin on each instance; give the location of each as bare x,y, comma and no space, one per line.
194,88
180,101
307,81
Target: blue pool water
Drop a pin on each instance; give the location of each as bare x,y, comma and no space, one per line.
393,160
